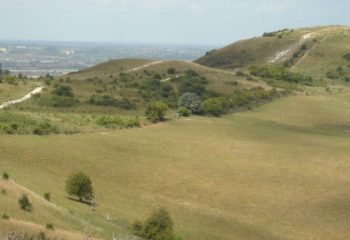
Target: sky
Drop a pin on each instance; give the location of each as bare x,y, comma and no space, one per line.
186,22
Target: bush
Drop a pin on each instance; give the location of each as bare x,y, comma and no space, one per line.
63,91
280,73
191,101
214,106
5,176
49,226
347,56
184,112
45,128
118,122
156,111
25,203
159,226
79,185
47,196
171,71
5,216
106,100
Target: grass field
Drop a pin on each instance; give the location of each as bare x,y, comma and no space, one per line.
279,172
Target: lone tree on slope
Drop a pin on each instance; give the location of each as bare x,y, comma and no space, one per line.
79,185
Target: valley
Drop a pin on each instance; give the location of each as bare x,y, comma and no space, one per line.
248,142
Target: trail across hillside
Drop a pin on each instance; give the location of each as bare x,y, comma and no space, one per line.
143,66
25,98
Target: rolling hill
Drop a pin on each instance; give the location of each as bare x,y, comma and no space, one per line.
277,169
314,51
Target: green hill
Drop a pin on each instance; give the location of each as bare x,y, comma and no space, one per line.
273,166
314,51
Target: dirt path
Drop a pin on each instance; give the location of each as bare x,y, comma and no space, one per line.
143,66
25,98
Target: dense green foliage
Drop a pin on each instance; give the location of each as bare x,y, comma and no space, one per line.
79,185
240,100
156,111
159,226
106,100
280,73
118,122
63,91
214,106
13,123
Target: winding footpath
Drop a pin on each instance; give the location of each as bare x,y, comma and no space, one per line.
25,98
143,66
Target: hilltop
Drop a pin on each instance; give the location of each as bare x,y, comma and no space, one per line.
316,51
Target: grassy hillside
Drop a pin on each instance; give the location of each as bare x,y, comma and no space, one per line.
314,51
120,89
279,172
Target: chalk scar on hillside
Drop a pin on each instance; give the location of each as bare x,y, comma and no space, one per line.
25,98
281,56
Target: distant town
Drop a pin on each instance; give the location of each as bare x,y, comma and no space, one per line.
35,59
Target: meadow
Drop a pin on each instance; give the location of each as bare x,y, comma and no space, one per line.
277,172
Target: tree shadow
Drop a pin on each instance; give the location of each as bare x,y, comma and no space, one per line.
87,202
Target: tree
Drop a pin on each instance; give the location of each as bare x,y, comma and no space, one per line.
159,226
25,203
156,111
191,101
79,185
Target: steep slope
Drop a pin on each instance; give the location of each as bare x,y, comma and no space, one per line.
310,50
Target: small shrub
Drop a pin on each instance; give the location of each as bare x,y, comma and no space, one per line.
49,226
5,176
171,71
156,111
213,106
5,216
184,112
47,196
3,191
118,122
25,203
45,128
63,91
159,226
347,56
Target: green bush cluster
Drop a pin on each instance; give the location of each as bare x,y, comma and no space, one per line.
240,100
14,123
280,73
25,236
106,100
159,226
156,111
118,122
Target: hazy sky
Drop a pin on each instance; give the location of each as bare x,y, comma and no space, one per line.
210,22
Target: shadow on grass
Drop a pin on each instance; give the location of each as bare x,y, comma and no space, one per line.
87,202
